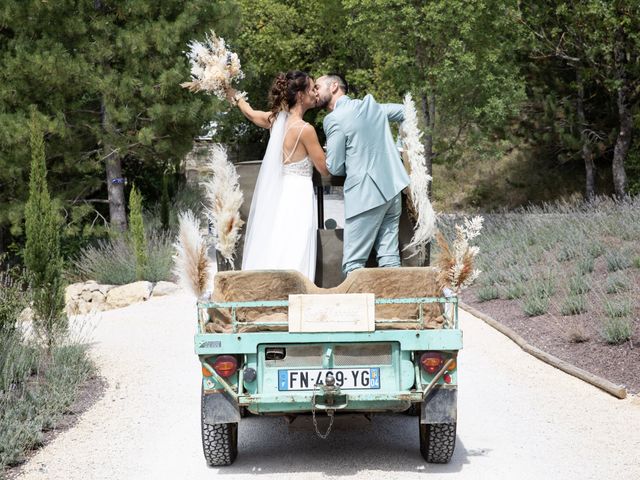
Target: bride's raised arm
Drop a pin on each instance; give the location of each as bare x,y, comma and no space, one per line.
258,117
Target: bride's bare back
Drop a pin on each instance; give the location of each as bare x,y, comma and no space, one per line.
293,150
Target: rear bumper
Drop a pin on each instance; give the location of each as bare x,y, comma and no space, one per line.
439,406
346,401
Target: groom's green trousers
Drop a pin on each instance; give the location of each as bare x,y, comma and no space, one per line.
376,228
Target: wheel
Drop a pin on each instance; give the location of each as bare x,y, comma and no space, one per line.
437,441
219,442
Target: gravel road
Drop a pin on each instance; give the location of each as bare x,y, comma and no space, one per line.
518,418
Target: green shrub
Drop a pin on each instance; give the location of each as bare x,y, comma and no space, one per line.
636,262
136,231
566,253
520,275
585,265
164,204
487,292
573,305
617,308
617,330
617,261
160,261
514,290
36,390
579,285
595,249
12,297
113,261
543,286
534,305
616,283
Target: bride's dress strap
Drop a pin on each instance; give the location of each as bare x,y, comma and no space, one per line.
291,152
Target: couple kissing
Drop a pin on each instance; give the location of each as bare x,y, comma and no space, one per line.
282,223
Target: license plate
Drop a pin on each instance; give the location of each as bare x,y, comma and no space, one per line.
345,378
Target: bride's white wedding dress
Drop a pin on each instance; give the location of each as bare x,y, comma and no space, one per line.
282,224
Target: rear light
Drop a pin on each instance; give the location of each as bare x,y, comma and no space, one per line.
431,361
453,365
225,365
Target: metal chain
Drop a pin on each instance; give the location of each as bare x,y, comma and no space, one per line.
330,414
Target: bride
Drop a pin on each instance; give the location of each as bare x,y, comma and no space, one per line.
282,224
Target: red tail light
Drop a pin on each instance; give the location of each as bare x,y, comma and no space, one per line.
431,361
225,365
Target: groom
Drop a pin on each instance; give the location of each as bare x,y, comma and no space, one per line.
360,146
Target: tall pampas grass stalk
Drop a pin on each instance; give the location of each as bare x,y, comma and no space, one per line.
455,263
423,214
223,199
191,262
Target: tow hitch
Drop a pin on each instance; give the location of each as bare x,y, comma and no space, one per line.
330,400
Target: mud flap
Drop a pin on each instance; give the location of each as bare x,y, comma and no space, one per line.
219,408
440,406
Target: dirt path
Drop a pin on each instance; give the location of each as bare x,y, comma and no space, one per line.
518,418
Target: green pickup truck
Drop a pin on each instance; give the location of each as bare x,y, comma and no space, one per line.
380,341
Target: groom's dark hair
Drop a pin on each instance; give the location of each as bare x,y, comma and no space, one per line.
342,82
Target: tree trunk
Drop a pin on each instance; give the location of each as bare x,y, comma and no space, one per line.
587,153
115,182
623,142
428,105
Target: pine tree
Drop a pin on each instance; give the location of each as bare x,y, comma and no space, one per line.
106,77
42,257
136,225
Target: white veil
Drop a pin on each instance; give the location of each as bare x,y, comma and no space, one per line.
265,200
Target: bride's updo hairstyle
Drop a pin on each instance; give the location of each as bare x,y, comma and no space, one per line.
285,88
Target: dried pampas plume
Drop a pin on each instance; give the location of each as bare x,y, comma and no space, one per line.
455,263
420,206
223,201
191,262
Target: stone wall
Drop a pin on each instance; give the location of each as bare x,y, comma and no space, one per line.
86,297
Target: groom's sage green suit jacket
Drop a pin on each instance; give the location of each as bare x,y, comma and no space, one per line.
360,146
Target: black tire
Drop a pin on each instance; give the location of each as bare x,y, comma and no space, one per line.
219,442
437,441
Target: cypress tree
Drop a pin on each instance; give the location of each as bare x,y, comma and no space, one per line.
42,257
136,225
